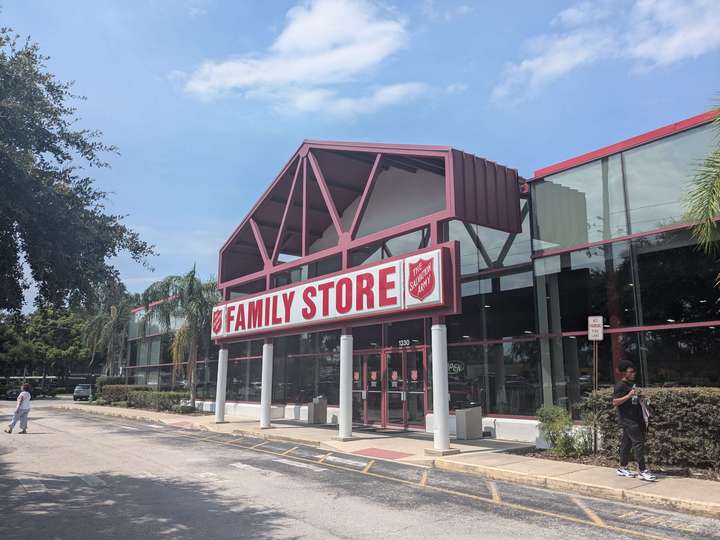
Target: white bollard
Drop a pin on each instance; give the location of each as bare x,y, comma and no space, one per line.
221,386
346,366
441,395
266,388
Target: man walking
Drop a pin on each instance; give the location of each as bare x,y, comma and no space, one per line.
627,402
21,411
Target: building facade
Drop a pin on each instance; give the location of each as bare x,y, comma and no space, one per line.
516,268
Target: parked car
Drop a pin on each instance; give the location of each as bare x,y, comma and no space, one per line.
84,391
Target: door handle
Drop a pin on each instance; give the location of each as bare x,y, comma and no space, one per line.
364,394
403,396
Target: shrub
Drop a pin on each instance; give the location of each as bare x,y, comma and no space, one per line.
183,409
120,404
683,431
99,401
119,392
102,381
160,401
558,430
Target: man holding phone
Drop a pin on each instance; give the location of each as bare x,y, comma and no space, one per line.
626,399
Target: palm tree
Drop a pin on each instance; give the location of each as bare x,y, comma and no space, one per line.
107,328
703,199
187,301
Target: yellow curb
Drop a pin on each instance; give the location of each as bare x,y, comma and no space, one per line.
593,490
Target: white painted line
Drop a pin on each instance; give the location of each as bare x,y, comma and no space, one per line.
129,428
93,481
345,461
154,426
258,470
31,485
299,465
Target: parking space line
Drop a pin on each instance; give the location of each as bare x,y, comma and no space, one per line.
299,465
423,478
367,467
520,507
492,486
322,459
286,452
258,445
597,520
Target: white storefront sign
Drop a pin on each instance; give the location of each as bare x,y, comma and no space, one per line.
403,284
595,328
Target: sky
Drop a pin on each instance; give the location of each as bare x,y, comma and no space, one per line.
207,99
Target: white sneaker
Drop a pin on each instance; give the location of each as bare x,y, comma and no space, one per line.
647,476
622,471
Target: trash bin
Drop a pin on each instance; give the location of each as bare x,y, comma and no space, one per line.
317,410
468,423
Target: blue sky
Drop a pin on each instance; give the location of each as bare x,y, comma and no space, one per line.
207,99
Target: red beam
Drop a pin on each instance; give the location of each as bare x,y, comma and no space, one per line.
365,196
281,231
260,241
326,194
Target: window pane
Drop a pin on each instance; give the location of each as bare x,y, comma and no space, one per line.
498,248
657,175
596,281
495,308
683,357
584,204
676,279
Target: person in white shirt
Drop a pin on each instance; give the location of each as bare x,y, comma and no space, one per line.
21,411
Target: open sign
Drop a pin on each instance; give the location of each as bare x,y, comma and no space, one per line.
455,368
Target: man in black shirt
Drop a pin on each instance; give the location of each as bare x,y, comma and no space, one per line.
627,402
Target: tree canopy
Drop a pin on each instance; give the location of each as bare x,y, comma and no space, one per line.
52,217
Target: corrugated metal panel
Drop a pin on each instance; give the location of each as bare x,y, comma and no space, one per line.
486,193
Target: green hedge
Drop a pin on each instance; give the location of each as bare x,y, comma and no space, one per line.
119,392
102,381
684,430
159,401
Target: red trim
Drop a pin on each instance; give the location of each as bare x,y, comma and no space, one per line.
627,144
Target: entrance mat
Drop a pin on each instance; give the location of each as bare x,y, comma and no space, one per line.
380,453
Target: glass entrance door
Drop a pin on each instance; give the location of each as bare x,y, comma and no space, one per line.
405,388
389,388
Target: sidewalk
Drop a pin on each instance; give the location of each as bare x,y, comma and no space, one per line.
482,457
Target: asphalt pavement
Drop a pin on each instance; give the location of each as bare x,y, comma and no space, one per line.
77,475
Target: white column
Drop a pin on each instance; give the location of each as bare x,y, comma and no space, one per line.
266,388
221,386
346,365
441,395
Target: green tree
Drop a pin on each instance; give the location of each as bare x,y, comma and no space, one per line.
55,338
106,328
186,301
51,215
703,200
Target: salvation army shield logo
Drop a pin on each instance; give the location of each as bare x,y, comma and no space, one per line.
217,321
421,279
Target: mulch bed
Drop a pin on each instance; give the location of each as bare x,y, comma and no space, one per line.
604,461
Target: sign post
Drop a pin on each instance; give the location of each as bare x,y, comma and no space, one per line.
595,334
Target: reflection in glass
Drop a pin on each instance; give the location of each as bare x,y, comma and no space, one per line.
657,174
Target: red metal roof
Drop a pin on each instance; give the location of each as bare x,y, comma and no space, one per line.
632,142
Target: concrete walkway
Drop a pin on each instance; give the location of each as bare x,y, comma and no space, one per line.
484,457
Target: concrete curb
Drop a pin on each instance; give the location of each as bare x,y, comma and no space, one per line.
701,508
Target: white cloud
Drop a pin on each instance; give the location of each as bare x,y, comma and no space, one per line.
665,31
648,33
445,10
324,46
